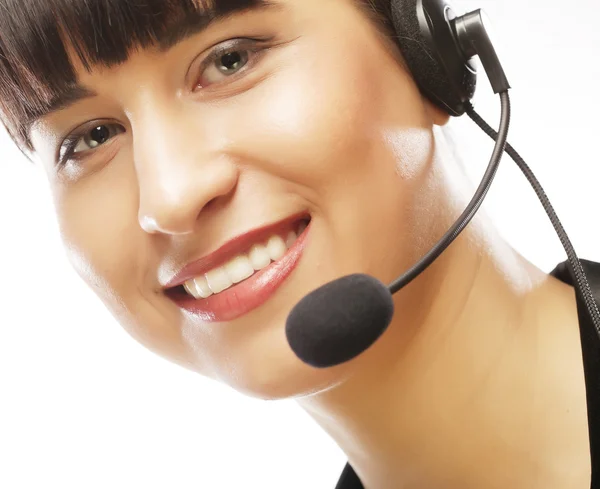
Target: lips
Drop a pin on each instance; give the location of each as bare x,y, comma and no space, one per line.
245,296
234,247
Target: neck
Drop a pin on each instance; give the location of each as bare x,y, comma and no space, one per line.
477,383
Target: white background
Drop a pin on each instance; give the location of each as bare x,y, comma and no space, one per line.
83,405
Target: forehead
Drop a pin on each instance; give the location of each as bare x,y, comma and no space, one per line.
42,41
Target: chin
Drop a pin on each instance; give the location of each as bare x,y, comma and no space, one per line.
279,374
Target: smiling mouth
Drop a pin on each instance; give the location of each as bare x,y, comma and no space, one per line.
243,266
242,283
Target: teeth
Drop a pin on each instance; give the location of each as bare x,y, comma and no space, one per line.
202,287
242,266
190,288
259,257
239,269
276,248
198,288
218,280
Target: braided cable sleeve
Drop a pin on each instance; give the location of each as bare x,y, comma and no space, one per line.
575,264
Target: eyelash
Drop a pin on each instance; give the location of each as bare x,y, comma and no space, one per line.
67,148
251,46
254,47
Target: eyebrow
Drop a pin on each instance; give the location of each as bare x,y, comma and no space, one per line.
176,32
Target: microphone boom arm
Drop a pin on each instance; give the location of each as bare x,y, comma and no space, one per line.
471,209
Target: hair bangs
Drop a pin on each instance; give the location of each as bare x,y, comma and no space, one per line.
40,38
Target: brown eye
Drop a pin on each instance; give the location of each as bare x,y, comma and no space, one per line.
97,137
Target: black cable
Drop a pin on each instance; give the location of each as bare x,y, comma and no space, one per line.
471,209
575,264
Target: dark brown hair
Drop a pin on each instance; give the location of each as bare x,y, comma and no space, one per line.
35,36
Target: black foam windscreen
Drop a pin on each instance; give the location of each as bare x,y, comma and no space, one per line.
339,320
431,53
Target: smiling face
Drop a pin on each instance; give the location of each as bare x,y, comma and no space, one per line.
264,122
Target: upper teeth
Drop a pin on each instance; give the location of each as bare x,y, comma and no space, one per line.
242,266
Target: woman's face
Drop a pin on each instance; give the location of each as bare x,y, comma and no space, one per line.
174,155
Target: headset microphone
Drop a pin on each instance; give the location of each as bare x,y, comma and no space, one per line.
343,318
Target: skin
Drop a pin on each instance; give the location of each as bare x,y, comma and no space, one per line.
478,381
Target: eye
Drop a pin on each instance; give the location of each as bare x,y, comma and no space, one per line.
88,139
224,66
227,60
96,137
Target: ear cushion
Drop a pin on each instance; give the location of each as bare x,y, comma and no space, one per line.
446,82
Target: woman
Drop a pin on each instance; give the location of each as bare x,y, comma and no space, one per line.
213,162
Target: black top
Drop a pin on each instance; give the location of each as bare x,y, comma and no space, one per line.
590,346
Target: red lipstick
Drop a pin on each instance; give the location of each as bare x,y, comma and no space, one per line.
249,294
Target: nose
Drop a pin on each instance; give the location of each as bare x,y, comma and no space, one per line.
179,174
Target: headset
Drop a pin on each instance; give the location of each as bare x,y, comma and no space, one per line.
341,319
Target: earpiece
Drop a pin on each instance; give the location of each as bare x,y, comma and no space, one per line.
426,35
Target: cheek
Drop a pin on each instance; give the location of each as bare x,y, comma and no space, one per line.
106,247
352,132
333,114
306,120
97,218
